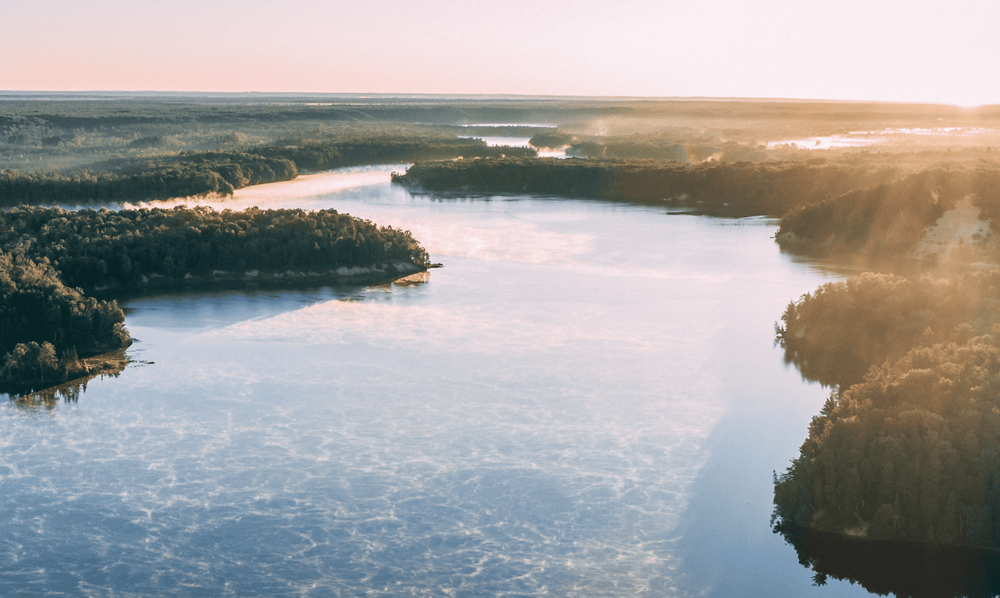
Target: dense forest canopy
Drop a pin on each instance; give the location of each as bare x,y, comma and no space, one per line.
45,325
221,173
835,334
910,453
742,188
874,216
907,447
71,131
51,259
101,249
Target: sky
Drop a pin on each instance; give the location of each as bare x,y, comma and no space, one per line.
850,49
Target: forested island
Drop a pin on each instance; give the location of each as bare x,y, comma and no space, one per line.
53,262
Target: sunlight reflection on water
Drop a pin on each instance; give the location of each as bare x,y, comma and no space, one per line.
535,419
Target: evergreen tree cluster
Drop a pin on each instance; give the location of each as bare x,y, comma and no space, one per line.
44,324
910,453
106,249
870,216
881,225
907,448
221,173
836,333
740,188
51,259
315,155
156,178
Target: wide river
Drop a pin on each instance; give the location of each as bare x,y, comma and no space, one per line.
584,401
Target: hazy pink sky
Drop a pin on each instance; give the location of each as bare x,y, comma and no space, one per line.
848,49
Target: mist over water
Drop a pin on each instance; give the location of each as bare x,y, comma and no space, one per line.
585,401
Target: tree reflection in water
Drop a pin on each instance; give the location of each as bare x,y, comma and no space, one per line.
905,569
108,364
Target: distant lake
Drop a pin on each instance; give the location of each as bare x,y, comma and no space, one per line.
585,401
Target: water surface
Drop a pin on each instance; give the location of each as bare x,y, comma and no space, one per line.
585,401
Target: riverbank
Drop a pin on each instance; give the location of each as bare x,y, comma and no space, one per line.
81,371
258,279
56,261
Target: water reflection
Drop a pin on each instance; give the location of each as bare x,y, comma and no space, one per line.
99,366
192,310
905,569
566,411
413,280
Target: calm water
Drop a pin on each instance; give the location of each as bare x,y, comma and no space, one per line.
585,401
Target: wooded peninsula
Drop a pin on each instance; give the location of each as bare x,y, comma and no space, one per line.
54,261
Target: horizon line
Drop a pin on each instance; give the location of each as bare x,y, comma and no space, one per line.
473,96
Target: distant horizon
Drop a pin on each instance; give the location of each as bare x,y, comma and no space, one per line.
488,96
855,50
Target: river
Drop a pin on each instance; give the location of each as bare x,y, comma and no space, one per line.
584,401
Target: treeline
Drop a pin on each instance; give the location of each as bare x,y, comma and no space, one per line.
51,259
361,150
688,147
878,225
103,249
160,178
221,173
837,333
45,325
908,447
872,217
718,188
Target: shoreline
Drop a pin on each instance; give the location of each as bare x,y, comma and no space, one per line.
900,567
256,279
110,363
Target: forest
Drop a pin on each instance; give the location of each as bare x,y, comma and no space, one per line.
734,189
907,447
46,325
871,215
221,173
53,262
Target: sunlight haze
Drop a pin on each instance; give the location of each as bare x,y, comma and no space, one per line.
887,51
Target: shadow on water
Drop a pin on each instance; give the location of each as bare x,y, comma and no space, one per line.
216,309
725,540
905,569
199,310
107,364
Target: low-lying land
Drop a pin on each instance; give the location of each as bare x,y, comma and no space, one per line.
221,173
880,216
739,189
